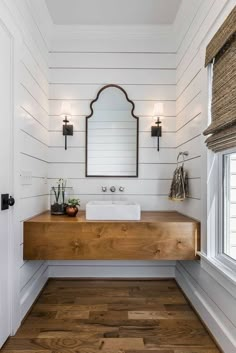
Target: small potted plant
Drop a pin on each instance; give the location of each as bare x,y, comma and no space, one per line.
72,209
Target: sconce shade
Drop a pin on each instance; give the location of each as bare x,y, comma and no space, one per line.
66,109
158,109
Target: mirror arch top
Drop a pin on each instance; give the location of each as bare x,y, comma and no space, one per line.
112,85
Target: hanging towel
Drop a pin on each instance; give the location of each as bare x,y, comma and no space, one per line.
179,186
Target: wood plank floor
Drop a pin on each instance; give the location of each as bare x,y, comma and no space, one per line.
81,316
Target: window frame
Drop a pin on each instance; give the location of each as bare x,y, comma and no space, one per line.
220,256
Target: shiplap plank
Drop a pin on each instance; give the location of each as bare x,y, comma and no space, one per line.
138,76
135,92
77,171
114,41
112,60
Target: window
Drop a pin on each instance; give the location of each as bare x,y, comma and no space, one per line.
228,229
220,259
221,139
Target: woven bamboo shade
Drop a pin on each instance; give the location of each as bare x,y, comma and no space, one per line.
222,49
221,37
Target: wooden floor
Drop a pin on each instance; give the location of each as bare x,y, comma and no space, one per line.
74,316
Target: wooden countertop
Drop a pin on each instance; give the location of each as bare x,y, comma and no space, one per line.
157,236
146,217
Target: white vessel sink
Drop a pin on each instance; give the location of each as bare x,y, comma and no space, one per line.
113,211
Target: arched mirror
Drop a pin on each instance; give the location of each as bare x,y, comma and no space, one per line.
112,135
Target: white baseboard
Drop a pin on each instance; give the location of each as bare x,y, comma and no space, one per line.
32,290
111,269
221,328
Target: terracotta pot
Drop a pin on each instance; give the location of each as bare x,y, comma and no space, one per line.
71,211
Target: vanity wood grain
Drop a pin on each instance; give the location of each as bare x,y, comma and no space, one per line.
157,236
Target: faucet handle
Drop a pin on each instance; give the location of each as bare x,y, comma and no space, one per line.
112,189
121,189
104,189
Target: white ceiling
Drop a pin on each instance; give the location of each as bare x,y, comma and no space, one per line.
113,12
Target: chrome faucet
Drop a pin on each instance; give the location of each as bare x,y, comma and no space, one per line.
112,189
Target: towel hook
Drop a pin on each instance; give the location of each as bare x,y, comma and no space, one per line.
183,154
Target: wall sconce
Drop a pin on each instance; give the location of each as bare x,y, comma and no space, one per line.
157,130
67,130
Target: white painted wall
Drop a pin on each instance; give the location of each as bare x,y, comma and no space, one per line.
214,298
145,68
30,142
143,63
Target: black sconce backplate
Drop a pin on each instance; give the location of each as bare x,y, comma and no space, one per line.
67,130
156,131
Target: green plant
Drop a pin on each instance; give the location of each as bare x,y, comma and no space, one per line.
60,189
73,202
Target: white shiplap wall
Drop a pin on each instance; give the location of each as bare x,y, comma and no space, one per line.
146,70
30,142
144,65
210,296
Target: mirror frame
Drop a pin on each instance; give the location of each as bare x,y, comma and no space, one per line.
86,134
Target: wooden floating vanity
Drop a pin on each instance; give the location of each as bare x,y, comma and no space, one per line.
157,236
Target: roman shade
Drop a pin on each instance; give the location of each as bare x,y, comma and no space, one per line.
221,53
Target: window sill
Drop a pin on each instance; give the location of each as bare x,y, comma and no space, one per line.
223,274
